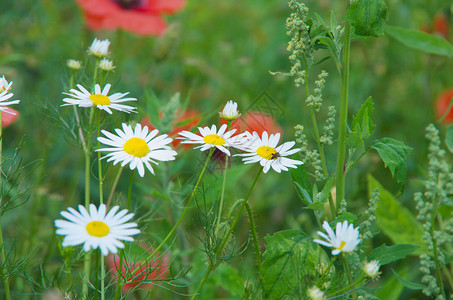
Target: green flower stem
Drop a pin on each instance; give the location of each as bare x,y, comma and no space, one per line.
102,278
3,261
101,179
254,235
119,284
329,266
348,271
225,239
115,184
341,153
87,263
436,256
219,215
151,256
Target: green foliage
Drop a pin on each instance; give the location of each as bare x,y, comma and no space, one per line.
419,40
362,125
409,285
387,254
396,221
394,154
367,17
289,256
302,184
449,138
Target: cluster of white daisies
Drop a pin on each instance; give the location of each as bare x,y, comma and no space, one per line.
137,147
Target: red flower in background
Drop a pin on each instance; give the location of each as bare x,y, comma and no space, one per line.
255,121
155,269
440,26
9,117
142,17
442,103
186,121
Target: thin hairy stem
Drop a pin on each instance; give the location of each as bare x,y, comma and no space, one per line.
101,179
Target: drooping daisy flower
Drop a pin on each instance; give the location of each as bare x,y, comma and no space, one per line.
99,48
265,151
137,147
96,229
101,100
371,269
106,65
211,138
344,239
230,111
6,95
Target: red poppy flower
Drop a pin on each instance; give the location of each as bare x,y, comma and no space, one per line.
7,118
442,103
186,121
142,17
255,121
440,26
135,276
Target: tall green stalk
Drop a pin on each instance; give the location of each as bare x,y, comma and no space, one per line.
341,153
3,261
101,179
227,236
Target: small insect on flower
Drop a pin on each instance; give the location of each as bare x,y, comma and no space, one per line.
344,239
265,151
95,228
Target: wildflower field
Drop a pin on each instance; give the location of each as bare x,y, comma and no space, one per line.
180,149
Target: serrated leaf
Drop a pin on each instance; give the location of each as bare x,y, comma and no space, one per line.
387,254
419,40
396,221
449,138
367,17
302,183
362,125
287,259
394,154
409,285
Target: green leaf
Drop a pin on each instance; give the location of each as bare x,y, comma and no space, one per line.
362,125
420,40
387,254
287,259
449,138
394,154
302,183
396,221
367,17
409,285
351,218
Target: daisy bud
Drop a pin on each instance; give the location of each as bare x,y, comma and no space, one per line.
371,269
73,64
106,65
315,293
230,111
99,48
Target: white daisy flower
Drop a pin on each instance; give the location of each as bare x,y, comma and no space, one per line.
371,269
100,99
99,48
106,65
5,95
137,147
73,64
211,138
344,239
96,229
265,151
230,111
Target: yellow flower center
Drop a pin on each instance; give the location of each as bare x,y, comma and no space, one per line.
136,147
99,99
97,228
267,152
214,139
342,244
